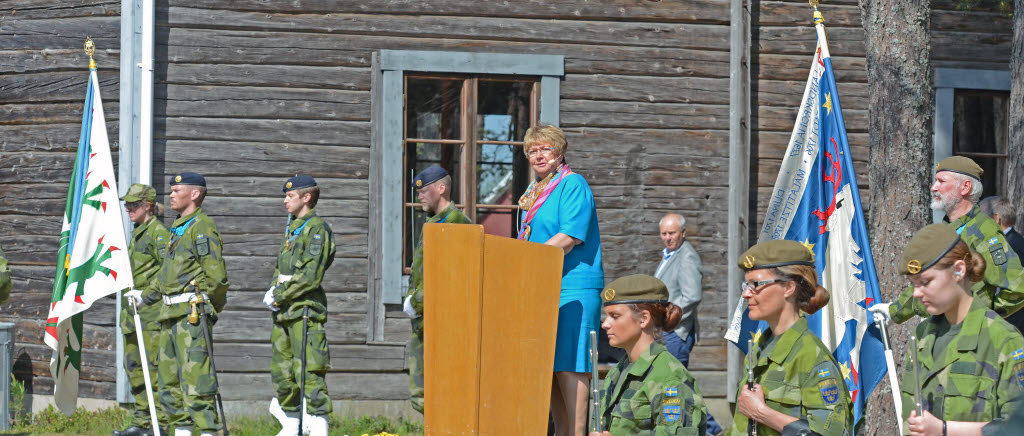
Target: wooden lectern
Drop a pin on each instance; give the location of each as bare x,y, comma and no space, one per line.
491,313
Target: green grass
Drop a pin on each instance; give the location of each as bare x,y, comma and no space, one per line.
51,422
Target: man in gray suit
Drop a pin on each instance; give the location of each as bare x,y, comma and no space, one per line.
680,269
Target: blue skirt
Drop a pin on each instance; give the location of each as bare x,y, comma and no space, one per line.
579,312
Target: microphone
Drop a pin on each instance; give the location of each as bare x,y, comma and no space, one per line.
552,161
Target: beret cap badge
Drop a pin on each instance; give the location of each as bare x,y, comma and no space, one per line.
748,261
178,178
914,266
419,183
288,185
608,294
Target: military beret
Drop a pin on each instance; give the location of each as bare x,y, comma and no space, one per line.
188,178
960,164
428,176
776,253
926,248
139,192
298,182
635,289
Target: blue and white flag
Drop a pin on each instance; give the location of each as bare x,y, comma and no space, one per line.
816,202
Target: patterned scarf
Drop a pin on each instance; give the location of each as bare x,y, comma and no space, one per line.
536,194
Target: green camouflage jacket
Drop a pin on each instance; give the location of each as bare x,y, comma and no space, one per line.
450,215
5,278
800,378
193,254
1002,287
980,375
146,250
657,396
305,254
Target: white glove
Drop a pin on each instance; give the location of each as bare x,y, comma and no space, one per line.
881,312
135,296
407,307
268,299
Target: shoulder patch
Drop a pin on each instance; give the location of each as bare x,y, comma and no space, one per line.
993,241
202,245
671,413
1018,366
998,255
671,392
160,238
316,245
829,390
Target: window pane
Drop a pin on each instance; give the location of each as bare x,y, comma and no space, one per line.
503,110
497,222
496,170
432,110
420,155
980,125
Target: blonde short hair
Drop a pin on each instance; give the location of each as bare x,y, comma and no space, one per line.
545,133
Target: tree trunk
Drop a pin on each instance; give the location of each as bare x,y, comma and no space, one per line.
1015,147
900,109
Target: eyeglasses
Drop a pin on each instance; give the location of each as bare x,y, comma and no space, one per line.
543,150
133,205
757,286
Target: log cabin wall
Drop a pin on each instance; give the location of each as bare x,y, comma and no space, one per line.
250,92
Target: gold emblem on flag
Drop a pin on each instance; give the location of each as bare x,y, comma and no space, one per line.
748,262
608,294
914,266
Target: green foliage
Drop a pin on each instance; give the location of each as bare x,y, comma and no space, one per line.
82,422
1005,7
51,422
17,399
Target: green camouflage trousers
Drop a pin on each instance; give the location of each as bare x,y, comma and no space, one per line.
286,367
416,364
133,366
187,386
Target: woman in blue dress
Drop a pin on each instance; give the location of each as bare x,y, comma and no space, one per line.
558,209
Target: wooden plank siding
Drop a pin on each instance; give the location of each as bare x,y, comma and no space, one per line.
250,92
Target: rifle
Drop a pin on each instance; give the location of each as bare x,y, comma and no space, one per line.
595,391
751,424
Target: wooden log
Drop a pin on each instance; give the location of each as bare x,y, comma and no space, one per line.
248,102
787,94
340,386
614,33
277,159
63,33
297,76
254,327
842,41
49,113
654,141
50,137
33,9
59,86
590,113
651,89
255,358
782,119
631,10
322,132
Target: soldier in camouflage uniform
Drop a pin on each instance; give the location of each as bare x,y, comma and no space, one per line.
192,266
146,249
5,278
306,253
433,186
956,190
798,387
648,391
971,361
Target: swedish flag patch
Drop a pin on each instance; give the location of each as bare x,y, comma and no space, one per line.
1018,366
159,239
671,413
829,390
671,392
993,241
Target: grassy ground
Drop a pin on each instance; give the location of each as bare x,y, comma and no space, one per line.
51,422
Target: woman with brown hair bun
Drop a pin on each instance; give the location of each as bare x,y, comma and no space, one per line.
797,385
970,359
648,391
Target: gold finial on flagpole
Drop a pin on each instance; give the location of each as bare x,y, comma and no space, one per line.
818,18
90,49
